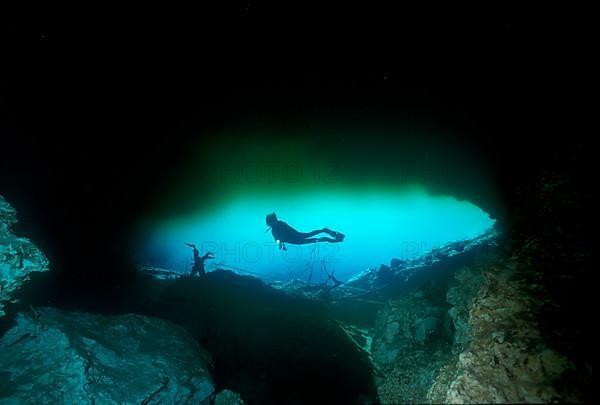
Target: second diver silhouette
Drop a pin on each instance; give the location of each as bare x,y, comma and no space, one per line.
283,233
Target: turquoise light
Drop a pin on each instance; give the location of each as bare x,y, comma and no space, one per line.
379,226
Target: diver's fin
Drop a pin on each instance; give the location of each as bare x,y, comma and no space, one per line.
339,237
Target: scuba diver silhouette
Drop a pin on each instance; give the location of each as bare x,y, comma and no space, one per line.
283,233
198,266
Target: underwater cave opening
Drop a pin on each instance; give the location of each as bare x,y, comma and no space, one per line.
380,225
273,345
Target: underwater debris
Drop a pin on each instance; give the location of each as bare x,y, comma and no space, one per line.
198,266
356,334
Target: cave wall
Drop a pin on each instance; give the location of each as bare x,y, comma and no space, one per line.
19,257
516,317
501,356
481,344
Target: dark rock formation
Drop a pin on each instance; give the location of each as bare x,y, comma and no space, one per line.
267,345
18,256
50,356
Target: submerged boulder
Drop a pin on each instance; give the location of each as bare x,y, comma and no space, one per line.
18,256
50,356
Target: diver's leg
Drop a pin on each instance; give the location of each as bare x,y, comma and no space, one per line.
305,235
324,239
300,238
313,240
303,238
338,236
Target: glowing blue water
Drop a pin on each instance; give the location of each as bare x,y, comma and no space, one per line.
378,227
